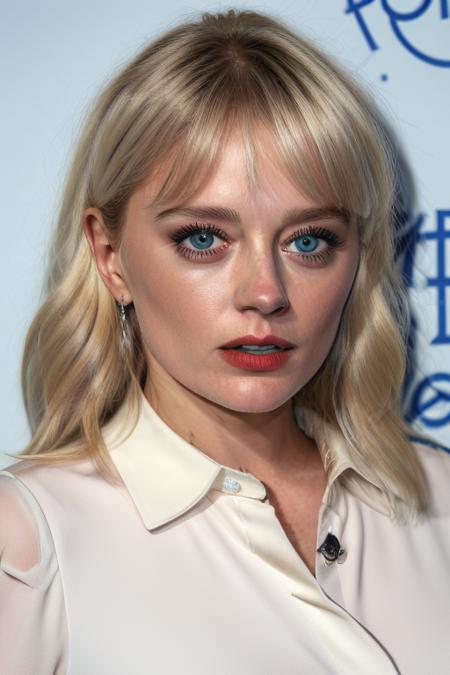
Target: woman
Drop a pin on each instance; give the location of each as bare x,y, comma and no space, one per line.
220,479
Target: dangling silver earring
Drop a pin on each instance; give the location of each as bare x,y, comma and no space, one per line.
123,318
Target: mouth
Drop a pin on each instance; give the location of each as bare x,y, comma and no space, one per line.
251,357
258,345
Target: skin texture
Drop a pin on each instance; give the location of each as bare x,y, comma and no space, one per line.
255,284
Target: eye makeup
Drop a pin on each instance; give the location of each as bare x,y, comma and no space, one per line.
308,234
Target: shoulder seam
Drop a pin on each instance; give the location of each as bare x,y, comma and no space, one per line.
49,562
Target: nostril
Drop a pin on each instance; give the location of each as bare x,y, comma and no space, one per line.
282,307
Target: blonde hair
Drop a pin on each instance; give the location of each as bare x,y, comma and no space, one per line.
175,100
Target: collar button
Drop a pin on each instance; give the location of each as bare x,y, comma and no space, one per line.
231,484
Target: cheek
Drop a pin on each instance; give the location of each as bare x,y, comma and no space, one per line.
173,307
321,307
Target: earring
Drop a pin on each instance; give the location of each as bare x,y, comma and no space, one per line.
123,318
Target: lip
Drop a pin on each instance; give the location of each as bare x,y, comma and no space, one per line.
246,361
253,340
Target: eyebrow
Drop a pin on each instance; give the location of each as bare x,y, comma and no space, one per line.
290,217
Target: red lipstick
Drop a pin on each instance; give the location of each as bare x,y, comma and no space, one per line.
232,352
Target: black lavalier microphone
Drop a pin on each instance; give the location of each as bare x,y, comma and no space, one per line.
331,549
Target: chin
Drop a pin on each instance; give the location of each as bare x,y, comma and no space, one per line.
254,399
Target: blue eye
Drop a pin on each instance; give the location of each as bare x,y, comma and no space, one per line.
314,244
203,239
308,243
201,236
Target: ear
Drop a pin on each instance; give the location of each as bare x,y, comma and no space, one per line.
106,258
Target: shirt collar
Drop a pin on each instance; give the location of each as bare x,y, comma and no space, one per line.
166,476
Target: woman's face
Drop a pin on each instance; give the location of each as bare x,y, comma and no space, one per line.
232,262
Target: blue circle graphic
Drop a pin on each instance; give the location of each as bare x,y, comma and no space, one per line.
429,395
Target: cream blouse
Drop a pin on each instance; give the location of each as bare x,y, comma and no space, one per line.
185,568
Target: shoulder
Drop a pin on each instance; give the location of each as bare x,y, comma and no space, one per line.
31,493
60,486
41,470
435,461
48,479
71,494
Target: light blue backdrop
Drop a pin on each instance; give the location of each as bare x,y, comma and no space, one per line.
55,56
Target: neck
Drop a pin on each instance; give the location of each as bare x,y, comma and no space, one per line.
265,444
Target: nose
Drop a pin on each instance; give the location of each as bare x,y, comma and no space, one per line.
259,285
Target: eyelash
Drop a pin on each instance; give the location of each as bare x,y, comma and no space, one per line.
333,241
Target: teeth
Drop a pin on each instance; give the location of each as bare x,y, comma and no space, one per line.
257,348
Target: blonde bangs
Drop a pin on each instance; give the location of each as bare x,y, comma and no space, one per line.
329,155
